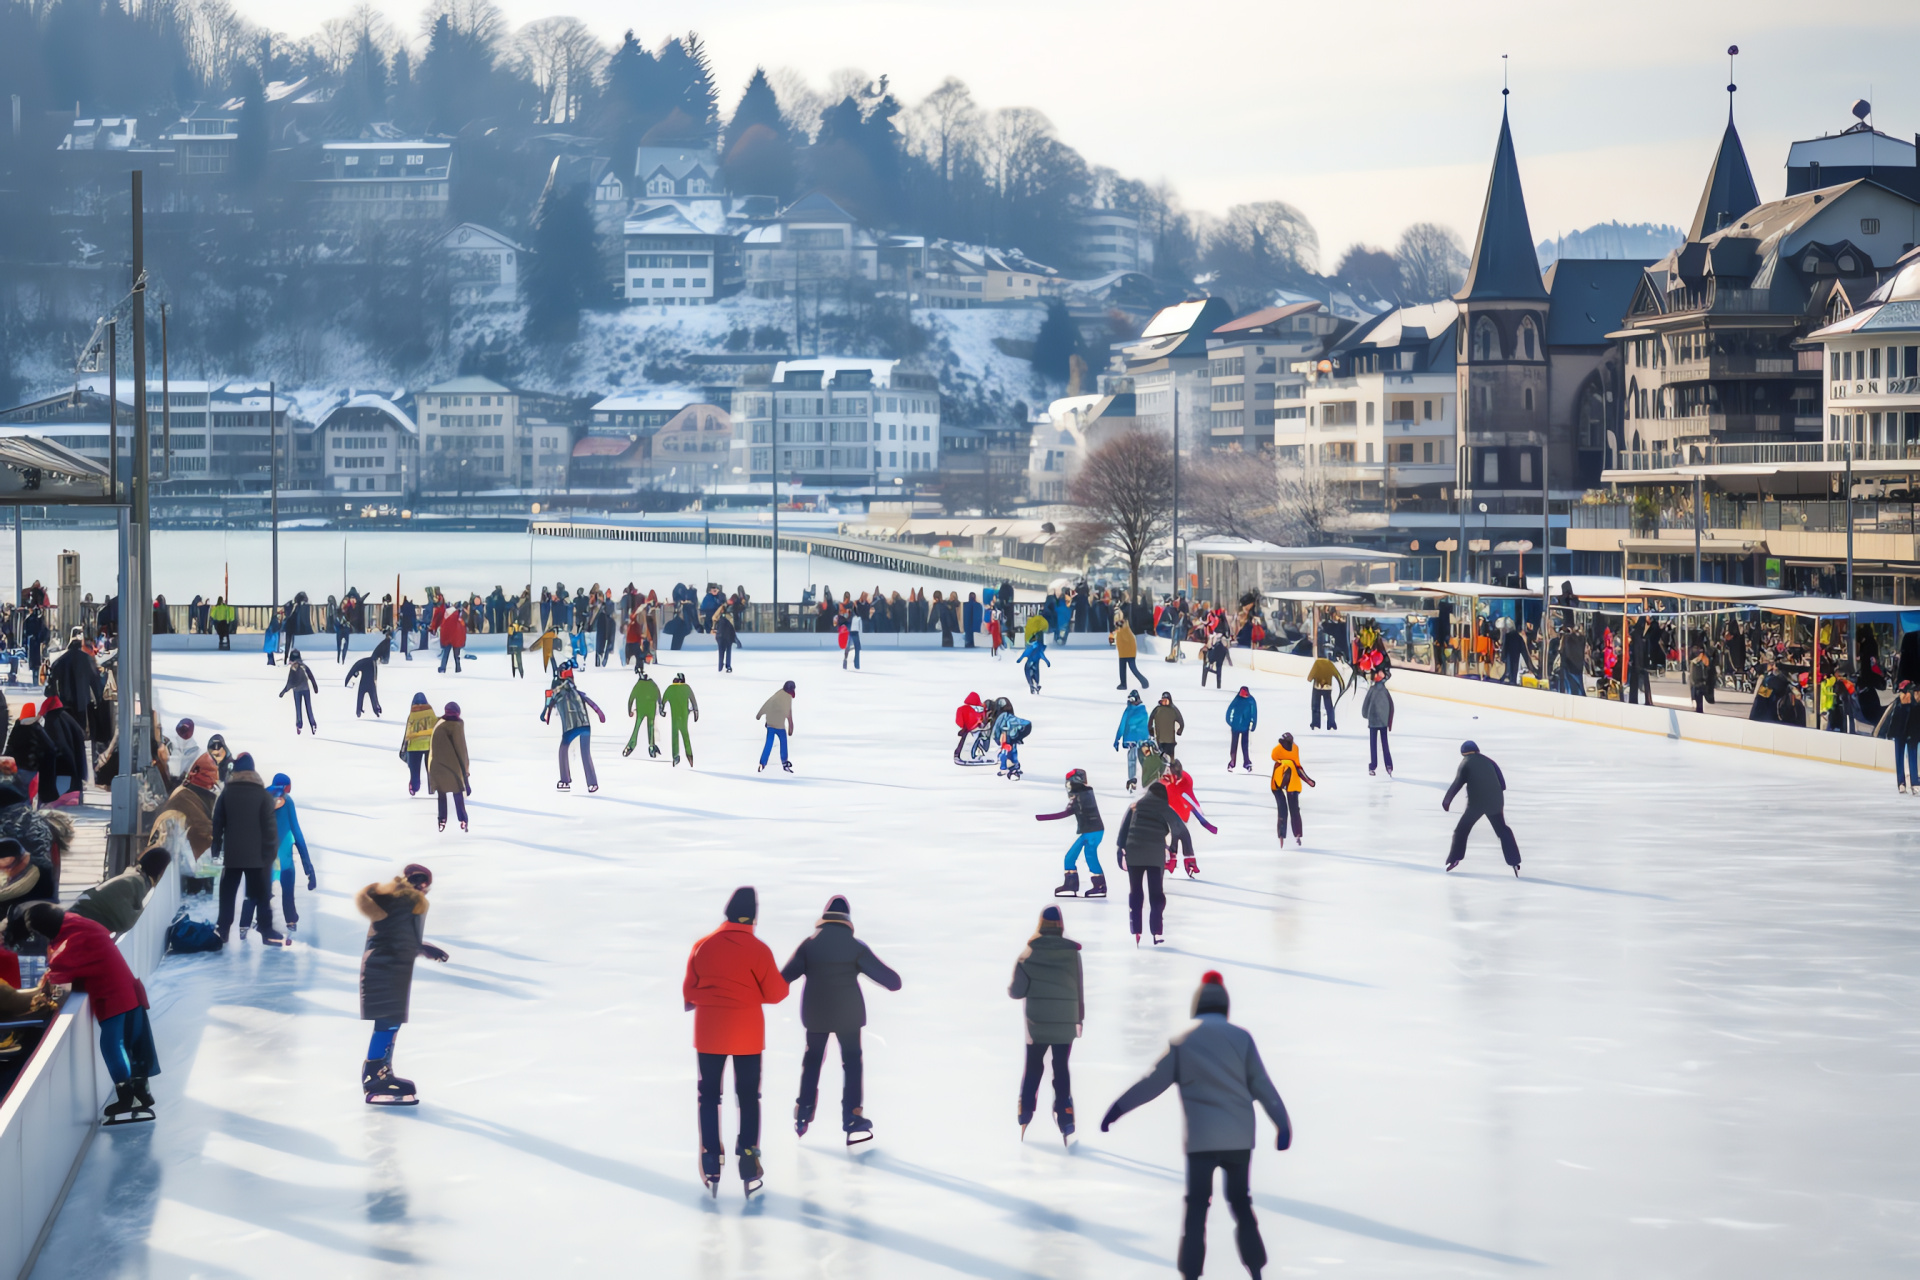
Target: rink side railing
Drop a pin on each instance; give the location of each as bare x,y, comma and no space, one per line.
49,1118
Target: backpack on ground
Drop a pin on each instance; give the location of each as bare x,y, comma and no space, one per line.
185,936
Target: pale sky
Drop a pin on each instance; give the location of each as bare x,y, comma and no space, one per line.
1367,116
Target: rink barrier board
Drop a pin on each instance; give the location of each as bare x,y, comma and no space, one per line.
1858,751
319,649
48,1121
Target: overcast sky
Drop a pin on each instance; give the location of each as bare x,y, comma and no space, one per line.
1367,116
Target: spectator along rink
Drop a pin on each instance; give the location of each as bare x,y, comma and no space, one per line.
1682,1044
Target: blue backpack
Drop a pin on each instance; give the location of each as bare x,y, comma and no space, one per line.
185,936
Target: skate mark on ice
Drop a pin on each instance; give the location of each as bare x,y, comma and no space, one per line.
1030,1213
1265,893
1440,869
468,944
1270,968
275,1206
1229,902
1327,1216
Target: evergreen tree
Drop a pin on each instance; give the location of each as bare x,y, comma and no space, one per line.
758,105
564,275
687,86
1056,344
250,149
758,152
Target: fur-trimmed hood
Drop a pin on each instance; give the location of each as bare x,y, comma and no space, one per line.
394,888
246,775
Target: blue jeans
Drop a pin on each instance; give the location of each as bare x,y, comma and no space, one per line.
380,1045
774,735
126,1044
853,651
444,651
1089,841
1906,762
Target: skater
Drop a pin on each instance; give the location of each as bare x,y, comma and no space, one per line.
1217,1068
82,953
1215,658
1031,657
275,628
1048,977
342,633
290,837
572,703
1144,831
453,638
302,685
855,626
516,648
396,937
1084,808
1132,734
1486,797
246,836
725,637
548,642
1287,777
1179,784
1323,675
831,1004
368,670
635,650
603,634
1377,710
994,634
1165,724
1903,726
1128,648
643,704
967,716
774,710
449,768
417,739
680,704
1243,717
730,974
1009,731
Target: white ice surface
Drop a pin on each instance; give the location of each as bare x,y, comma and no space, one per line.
1684,1045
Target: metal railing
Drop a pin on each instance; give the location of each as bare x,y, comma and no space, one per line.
1755,515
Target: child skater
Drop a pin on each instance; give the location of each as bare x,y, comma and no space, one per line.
1032,656
1084,808
286,818
516,648
396,937
1187,805
301,684
1010,731
567,698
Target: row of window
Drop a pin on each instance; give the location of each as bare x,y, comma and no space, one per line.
668,300
669,261
391,191
456,402
464,444
361,462
359,442
660,282
1873,428
452,421
1847,366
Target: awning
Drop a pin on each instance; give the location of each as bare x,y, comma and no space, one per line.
1710,592
1678,547
1239,549
1313,597
1827,607
1479,590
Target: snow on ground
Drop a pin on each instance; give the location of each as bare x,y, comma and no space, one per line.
1682,1045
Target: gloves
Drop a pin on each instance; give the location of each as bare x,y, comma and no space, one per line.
312,882
432,952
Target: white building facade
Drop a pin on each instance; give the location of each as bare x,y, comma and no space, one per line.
838,422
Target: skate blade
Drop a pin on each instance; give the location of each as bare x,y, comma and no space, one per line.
135,1118
713,1187
749,1188
855,1139
382,1101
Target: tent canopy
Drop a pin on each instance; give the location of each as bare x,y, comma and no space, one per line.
1825,607
1314,597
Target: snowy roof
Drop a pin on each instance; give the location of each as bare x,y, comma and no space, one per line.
1435,318
677,161
832,367
667,400
388,144
107,133
1266,316
471,235
1176,319
466,386
815,207
670,220
378,403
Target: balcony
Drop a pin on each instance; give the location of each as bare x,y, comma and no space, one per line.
1720,299
1813,451
1731,516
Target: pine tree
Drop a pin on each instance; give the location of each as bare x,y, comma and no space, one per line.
564,275
1056,343
758,153
250,149
758,105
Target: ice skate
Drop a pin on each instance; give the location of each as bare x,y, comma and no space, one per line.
1299,842
786,766
141,1094
625,752
710,1162
443,824
1070,887
858,1128
1136,939
802,1119
463,824
1370,773
1192,868
1063,1116
752,1176
1452,863
272,939
1026,1118
563,786
653,752
592,787
383,1088
763,768
126,1108
1098,889
1159,938
1133,784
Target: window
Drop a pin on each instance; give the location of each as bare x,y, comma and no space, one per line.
1369,453
1526,468
350,161
1846,366
1529,394
1404,452
820,238
1426,451
1486,340
1875,362
1340,413
1526,340
1426,410
1402,411
1490,467
386,159
1369,422
416,159
1869,226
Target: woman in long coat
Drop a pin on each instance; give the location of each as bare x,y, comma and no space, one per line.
449,771
395,939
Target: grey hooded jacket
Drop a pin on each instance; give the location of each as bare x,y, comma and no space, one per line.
832,961
1220,1075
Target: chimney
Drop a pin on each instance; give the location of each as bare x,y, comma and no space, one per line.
1076,374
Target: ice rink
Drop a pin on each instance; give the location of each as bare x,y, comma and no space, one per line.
1683,1045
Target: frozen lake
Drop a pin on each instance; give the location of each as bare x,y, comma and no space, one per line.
1683,1045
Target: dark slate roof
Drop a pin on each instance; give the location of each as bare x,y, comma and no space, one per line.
1266,316
815,207
1505,263
1590,298
1729,192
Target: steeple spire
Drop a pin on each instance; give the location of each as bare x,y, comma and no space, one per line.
1730,191
1505,264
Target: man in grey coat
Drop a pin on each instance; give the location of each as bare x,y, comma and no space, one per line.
832,960
1377,709
1048,977
1220,1076
1486,797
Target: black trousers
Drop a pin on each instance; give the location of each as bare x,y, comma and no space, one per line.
1214,669
850,1065
1154,895
1377,746
1288,802
259,892
1497,819
368,693
1639,685
1246,1230
1325,696
746,1092
1062,1078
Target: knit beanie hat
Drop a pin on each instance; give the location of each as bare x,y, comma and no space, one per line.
282,781
1211,997
155,861
838,910
418,876
1469,747
788,686
243,762
744,906
420,700
184,728
1051,921
452,712
204,772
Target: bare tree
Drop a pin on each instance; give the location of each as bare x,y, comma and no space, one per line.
481,21
1232,494
1432,261
1262,247
1311,510
1124,489
944,126
800,102
562,57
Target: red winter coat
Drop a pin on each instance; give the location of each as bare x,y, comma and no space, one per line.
967,715
453,631
1180,794
83,954
730,974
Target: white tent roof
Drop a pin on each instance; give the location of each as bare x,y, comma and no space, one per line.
1242,549
1479,590
1313,597
1827,607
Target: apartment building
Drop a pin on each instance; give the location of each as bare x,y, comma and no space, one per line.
1380,408
812,244
1252,380
838,422
368,444
670,260
384,180
469,436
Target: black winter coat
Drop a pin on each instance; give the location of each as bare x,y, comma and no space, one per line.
1084,807
299,676
69,743
832,961
1146,824
245,831
30,747
368,670
398,913
1486,785
75,678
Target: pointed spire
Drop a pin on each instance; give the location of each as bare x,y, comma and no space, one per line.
1730,191
1505,264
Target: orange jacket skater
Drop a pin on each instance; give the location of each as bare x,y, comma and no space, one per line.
730,975
1287,777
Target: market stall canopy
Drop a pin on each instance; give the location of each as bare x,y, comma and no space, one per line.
1314,597
1827,607
1480,590
1242,549
35,470
1710,592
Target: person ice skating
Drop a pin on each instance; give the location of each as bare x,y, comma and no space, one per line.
572,703
1288,774
967,717
1179,785
546,645
288,838
368,671
1031,657
453,638
995,639
725,637
1144,831
1165,724
831,1004
1486,797
449,767
1377,710
1009,731
1217,1068
1323,675
246,840
1084,808
516,648
1131,733
643,705
730,975
271,643
855,628
396,911
680,704
776,711
417,739
1903,726
1215,658
1048,977
603,634
82,953
1243,717
1128,649
302,685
